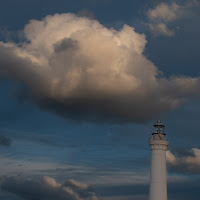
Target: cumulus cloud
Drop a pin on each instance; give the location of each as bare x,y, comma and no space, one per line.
79,69
47,189
163,14
161,29
182,161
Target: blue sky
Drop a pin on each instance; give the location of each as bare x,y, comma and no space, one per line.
64,115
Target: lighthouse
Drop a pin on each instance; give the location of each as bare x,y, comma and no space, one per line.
158,177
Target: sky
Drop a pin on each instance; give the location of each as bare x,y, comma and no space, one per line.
82,82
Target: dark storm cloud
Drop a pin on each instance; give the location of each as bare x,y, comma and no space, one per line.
79,69
184,162
5,141
46,189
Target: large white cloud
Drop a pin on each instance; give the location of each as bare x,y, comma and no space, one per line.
78,68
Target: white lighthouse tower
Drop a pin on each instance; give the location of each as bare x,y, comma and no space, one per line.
158,178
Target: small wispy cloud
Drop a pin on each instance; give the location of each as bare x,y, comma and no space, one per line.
183,161
164,14
161,29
